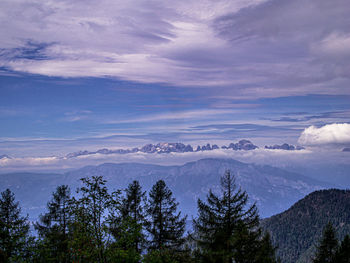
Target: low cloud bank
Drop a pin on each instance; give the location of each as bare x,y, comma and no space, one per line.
279,158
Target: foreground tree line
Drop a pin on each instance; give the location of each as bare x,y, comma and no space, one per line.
96,225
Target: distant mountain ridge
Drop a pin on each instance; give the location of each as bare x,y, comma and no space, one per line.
169,148
272,188
177,147
245,145
297,230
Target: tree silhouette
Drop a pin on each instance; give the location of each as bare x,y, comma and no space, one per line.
132,211
88,228
14,228
328,246
53,226
226,229
164,225
343,253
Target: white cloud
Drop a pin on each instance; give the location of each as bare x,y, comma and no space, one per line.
29,162
278,158
336,133
335,45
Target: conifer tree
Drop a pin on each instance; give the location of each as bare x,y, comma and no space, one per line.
132,211
53,226
266,251
14,228
226,229
343,253
89,228
164,224
132,202
328,246
127,233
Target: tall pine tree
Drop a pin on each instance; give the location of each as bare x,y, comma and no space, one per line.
227,229
126,220
343,253
132,210
328,246
164,224
53,226
14,228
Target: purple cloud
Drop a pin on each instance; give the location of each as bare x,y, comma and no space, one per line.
250,49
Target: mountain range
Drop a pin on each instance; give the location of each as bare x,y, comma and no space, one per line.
273,189
169,148
245,145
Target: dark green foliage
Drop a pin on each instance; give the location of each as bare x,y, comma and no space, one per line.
132,212
328,246
53,228
125,222
343,253
329,250
164,225
88,228
168,256
14,229
227,228
159,256
266,252
297,230
122,249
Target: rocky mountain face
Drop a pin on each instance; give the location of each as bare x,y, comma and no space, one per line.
241,145
273,189
298,230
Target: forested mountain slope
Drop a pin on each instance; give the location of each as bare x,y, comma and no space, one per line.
298,230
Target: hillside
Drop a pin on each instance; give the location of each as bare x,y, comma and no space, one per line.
297,230
272,188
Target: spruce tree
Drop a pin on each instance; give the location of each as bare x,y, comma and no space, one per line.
53,226
328,246
343,253
14,228
132,211
125,222
164,224
266,251
227,228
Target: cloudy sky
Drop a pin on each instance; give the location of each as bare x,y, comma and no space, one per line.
85,75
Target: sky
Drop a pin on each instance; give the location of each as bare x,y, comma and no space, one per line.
86,75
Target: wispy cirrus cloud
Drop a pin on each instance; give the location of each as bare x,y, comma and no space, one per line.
252,48
179,115
305,117
74,116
